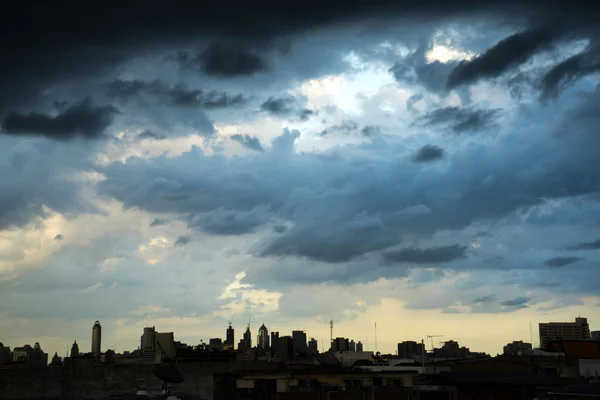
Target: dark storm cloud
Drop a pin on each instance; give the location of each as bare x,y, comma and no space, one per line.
158,222
567,72
81,120
517,302
484,299
434,255
286,107
183,240
593,245
461,120
177,95
227,222
250,142
346,127
151,135
506,54
428,153
558,262
223,59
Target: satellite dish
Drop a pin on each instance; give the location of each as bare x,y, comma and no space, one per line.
167,373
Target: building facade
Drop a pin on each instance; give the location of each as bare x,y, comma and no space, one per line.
230,338
410,349
578,330
517,348
359,346
96,339
263,337
299,338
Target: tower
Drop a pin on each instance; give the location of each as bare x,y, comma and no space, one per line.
230,337
263,337
75,349
96,339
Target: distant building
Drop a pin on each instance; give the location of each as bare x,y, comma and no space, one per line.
165,346
299,338
517,348
410,349
56,360
148,345
5,354
340,344
313,347
352,346
215,343
359,346
230,338
285,348
595,335
96,340
247,338
263,337
451,350
31,356
578,330
274,342
74,350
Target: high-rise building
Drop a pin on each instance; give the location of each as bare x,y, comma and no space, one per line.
359,346
299,338
247,338
285,348
578,330
313,347
165,345
409,349
341,344
274,342
148,345
75,349
230,338
263,337
595,335
96,339
352,346
516,348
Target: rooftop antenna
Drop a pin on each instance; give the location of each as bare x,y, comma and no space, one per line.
331,333
530,334
375,337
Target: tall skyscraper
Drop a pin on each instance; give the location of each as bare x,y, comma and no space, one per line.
274,342
75,349
359,346
299,338
230,337
313,347
578,330
248,338
148,345
263,337
96,339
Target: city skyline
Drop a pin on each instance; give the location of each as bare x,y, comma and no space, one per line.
430,168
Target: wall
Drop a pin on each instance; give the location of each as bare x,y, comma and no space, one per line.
84,378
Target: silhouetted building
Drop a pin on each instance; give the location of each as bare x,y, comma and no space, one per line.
96,340
31,356
165,345
516,348
274,342
247,338
352,346
299,338
285,348
359,346
451,350
313,347
5,354
56,360
595,335
263,337
230,337
410,349
340,344
215,343
550,331
148,345
74,350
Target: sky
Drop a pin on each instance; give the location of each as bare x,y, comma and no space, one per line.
429,168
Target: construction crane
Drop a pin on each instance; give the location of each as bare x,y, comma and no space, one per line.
331,334
430,337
